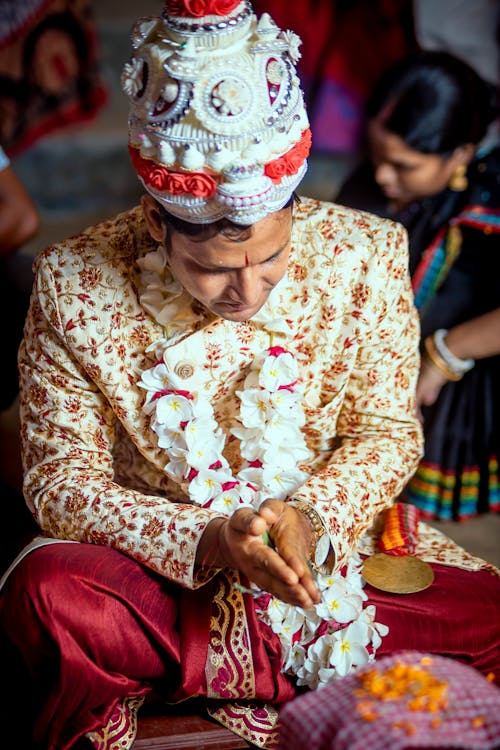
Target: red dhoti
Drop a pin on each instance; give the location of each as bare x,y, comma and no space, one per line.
94,626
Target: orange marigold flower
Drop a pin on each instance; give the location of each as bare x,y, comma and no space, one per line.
370,716
406,726
425,692
417,704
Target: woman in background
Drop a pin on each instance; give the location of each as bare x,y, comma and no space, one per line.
425,123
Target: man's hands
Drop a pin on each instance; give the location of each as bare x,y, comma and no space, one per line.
282,570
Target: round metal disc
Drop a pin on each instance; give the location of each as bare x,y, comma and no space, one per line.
397,575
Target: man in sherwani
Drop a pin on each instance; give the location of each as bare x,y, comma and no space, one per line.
217,403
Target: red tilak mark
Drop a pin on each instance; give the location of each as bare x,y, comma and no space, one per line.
247,262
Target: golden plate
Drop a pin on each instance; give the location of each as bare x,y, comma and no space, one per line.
397,575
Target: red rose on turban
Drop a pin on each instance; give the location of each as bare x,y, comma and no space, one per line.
200,8
175,8
162,179
196,8
291,162
222,7
157,177
176,183
201,185
276,169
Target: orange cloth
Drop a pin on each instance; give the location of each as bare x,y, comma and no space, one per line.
400,534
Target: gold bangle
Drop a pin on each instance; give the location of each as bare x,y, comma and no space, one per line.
322,555
438,361
317,527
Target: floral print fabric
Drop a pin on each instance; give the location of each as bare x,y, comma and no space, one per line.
94,471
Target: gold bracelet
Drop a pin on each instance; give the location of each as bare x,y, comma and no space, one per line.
438,361
314,519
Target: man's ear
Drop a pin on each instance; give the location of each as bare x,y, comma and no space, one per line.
156,226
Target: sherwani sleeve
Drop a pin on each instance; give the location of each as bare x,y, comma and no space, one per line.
378,434
68,437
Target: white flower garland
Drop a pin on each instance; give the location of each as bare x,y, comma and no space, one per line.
331,638
269,430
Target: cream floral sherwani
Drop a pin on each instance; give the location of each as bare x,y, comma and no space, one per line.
93,469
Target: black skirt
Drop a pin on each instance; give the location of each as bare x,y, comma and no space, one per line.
458,476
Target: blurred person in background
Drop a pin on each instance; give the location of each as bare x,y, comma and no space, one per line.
347,44
427,168
19,223
49,69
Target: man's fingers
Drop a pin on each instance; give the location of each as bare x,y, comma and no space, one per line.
248,522
271,511
296,594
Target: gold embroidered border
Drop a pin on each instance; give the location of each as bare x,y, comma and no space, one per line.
121,730
229,666
255,722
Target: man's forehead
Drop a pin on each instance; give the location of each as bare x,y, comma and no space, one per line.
218,251
233,255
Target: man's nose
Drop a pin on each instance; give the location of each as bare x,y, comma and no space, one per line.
247,285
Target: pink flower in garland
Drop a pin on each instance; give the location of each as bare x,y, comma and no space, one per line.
200,8
275,351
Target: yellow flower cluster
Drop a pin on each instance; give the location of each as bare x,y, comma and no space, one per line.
412,684
420,689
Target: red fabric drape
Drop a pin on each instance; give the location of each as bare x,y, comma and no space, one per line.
94,626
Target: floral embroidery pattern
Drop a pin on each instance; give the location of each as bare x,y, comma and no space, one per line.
96,474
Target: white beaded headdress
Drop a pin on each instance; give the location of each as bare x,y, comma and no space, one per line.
217,125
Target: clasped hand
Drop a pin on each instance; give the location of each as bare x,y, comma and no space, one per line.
280,568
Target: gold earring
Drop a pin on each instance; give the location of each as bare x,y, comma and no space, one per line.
458,181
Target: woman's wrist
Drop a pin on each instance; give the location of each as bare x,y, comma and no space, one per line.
451,367
455,363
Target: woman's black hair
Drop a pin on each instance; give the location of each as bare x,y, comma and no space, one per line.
434,102
201,232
